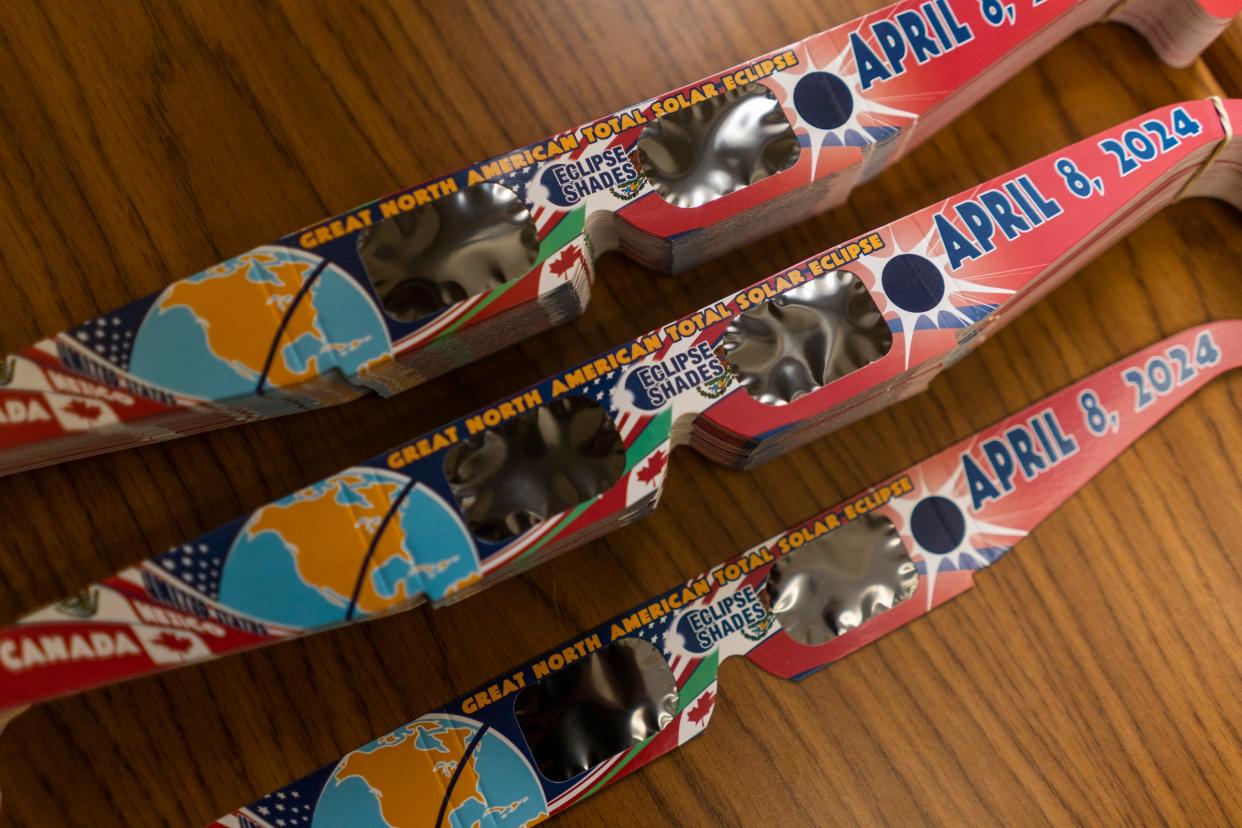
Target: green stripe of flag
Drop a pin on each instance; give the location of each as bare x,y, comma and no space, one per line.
702,676
569,228
656,432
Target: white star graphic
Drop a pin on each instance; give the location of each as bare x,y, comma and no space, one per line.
975,537
930,248
851,132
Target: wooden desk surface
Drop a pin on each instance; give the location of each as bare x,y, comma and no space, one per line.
1093,676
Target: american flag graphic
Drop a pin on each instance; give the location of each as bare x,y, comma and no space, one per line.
198,564
655,634
293,806
111,337
600,390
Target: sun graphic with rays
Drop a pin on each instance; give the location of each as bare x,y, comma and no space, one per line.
831,109
916,285
944,531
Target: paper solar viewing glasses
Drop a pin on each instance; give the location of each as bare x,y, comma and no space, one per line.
557,729
414,284
552,731
813,347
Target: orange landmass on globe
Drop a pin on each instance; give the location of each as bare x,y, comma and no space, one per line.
240,315
304,320
329,540
409,781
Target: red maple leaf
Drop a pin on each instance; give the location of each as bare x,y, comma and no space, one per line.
702,708
83,409
653,468
174,642
569,257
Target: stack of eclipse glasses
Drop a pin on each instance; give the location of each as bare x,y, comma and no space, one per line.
417,283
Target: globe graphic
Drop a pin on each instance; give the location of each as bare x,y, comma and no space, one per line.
211,335
439,764
296,561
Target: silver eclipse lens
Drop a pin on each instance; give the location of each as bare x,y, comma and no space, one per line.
596,707
544,461
804,339
839,580
449,249
718,146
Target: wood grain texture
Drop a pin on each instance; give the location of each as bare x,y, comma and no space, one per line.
1092,677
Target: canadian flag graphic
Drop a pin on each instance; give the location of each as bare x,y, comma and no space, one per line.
80,413
697,714
168,646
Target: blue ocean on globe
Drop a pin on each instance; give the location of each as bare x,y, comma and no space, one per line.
261,580
260,577
346,316
506,780
349,802
432,532
173,348
171,351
